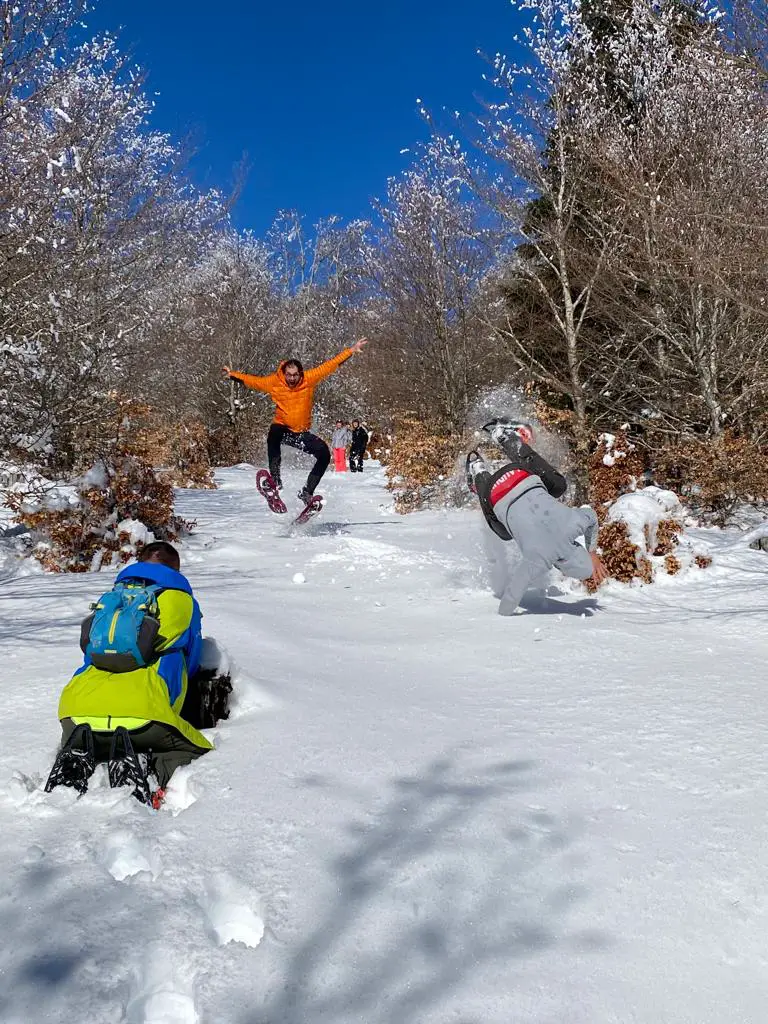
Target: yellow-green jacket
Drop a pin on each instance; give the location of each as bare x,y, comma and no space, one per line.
106,700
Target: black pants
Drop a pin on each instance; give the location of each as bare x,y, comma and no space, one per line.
305,442
356,461
168,748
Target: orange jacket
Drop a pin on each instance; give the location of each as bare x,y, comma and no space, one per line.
294,405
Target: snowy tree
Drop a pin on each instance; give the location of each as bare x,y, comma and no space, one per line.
538,138
220,312
627,156
95,217
320,280
251,303
428,257
685,297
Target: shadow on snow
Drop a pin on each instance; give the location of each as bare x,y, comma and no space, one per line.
451,877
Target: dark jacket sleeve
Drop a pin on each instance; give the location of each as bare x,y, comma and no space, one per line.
555,482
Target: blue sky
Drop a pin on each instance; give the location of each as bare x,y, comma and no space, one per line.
322,98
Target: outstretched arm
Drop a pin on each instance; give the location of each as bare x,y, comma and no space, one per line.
250,381
318,373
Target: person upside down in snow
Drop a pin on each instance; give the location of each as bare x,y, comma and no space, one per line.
519,502
292,390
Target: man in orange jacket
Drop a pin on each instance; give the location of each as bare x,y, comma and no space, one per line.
292,389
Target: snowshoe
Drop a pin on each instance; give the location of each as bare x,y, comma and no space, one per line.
475,464
125,768
313,503
75,763
267,488
502,429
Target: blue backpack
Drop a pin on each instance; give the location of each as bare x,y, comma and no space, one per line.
120,634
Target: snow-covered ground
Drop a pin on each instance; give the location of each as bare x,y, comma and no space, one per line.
420,812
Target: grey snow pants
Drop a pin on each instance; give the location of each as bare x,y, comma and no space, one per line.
546,532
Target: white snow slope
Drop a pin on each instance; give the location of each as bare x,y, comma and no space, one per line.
420,812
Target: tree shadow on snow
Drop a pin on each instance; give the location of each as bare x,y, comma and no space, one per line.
451,877
24,614
61,934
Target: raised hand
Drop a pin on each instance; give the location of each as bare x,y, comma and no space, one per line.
227,371
359,344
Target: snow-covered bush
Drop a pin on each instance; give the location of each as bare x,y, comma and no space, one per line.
105,518
431,246
616,467
179,452
643,534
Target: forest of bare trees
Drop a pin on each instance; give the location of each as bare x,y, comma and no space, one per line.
596,238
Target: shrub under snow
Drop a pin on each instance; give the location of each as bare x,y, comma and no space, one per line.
642,534
104,518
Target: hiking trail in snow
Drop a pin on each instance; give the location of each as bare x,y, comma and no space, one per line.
419,812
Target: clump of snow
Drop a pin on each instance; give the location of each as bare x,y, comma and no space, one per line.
642,511
231,918
123,856
183,790
96,477
134,533
214,658
299,577
612,453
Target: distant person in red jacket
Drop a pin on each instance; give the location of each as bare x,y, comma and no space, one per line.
339,442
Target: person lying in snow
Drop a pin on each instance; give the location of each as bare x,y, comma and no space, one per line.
142,645
519,502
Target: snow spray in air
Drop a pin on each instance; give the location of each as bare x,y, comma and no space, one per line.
508,402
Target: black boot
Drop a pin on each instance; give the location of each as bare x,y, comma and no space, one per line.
274,472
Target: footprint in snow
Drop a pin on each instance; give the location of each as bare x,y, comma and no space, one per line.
228,908
163,995
123,857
